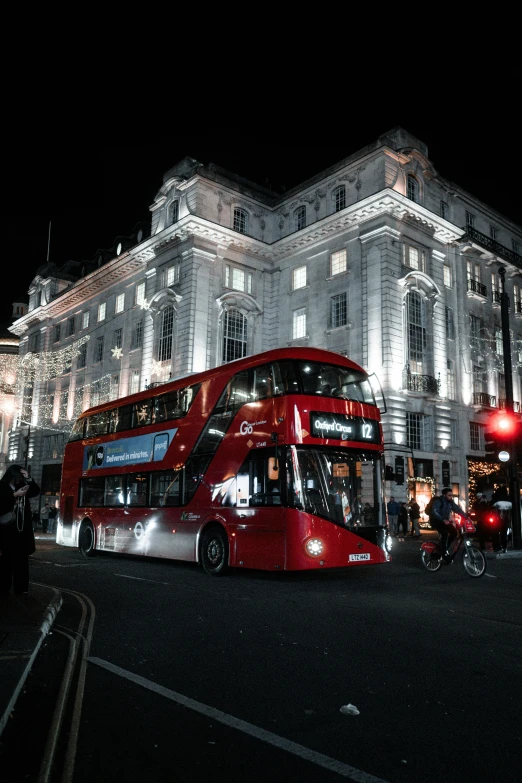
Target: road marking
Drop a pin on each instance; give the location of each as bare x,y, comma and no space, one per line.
141,579
345,770
491,576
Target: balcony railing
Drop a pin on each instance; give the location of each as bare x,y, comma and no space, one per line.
502,404
484,400
474,287
414,382
492,245
497,298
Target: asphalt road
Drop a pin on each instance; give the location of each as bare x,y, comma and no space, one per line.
183,676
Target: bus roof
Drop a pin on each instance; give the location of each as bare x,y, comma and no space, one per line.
228,370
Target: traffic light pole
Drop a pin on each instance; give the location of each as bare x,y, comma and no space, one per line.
514,488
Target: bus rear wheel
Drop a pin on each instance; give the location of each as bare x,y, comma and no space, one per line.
214,551
86,540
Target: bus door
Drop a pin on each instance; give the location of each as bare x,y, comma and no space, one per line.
258,497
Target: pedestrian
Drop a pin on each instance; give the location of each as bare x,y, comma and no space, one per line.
53,511
44,516
480,508
415,518
402,521
393,509
503,506
17,536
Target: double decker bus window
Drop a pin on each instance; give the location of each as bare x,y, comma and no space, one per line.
262,382
236,394
165,488
123,420
142,413
137,489
97,424
77,430
332,381
175,404
92,491
285,378
258,481
114,494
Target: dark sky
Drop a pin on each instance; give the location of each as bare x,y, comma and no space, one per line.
91,192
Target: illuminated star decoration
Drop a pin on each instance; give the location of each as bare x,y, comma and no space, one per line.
143,413
116,353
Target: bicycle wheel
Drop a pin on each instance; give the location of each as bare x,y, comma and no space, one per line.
474,561
429,562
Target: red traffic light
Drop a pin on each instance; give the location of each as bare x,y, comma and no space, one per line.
504,423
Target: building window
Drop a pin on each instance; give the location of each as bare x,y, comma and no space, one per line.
493,232
120,303
300,218
499,344
34,342
117,338
166,332
479,382
476,326
470,219
174,212
338,311
82,357
115,386
56,333
96,393
454,429
102,309
299,323
515,246
416,330
419,432
70,326
171,275
443,210
98,356
137,335
85,319
298,278
238,279
413,188
338,262
517,298
448,282
64,404
414,257
451,380
140,294
473,272
240,221
339,198
134,382
234,335
476,436
450,327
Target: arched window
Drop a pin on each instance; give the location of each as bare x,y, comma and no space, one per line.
339,198
413,188
300,218
174,212
240,220
166,333
234,335
416,332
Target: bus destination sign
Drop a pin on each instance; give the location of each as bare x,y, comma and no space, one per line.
340,426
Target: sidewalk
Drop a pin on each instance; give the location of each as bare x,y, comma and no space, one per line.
25,620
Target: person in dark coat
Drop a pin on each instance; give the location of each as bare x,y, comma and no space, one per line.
16,537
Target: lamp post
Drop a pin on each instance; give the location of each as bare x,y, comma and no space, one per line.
514,489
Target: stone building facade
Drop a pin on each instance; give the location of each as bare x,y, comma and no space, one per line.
377,257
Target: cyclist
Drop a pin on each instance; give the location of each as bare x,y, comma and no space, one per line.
440,515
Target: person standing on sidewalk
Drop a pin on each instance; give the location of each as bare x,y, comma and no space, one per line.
17,536
393,509
53,511
44,516
415,518
402,524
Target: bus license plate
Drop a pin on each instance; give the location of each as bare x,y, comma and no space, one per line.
364,556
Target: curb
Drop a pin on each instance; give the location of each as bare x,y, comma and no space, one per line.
49,616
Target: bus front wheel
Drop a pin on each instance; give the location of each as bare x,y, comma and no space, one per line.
214,551
86,540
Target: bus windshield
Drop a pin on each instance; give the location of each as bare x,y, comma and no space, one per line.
335,484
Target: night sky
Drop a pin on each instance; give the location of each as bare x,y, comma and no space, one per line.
91,193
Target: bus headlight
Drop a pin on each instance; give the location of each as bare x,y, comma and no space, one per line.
314,547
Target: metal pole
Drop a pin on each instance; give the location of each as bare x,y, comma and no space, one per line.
514,488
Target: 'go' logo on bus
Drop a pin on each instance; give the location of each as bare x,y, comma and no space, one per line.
246,428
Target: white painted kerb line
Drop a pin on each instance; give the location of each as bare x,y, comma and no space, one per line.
247,728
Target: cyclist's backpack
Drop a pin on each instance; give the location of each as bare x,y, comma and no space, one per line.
429,505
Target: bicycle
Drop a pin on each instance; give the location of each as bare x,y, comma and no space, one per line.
473,560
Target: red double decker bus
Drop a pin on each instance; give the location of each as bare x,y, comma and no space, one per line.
271,462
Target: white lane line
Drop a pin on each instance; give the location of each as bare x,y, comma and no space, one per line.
345,770
141,579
